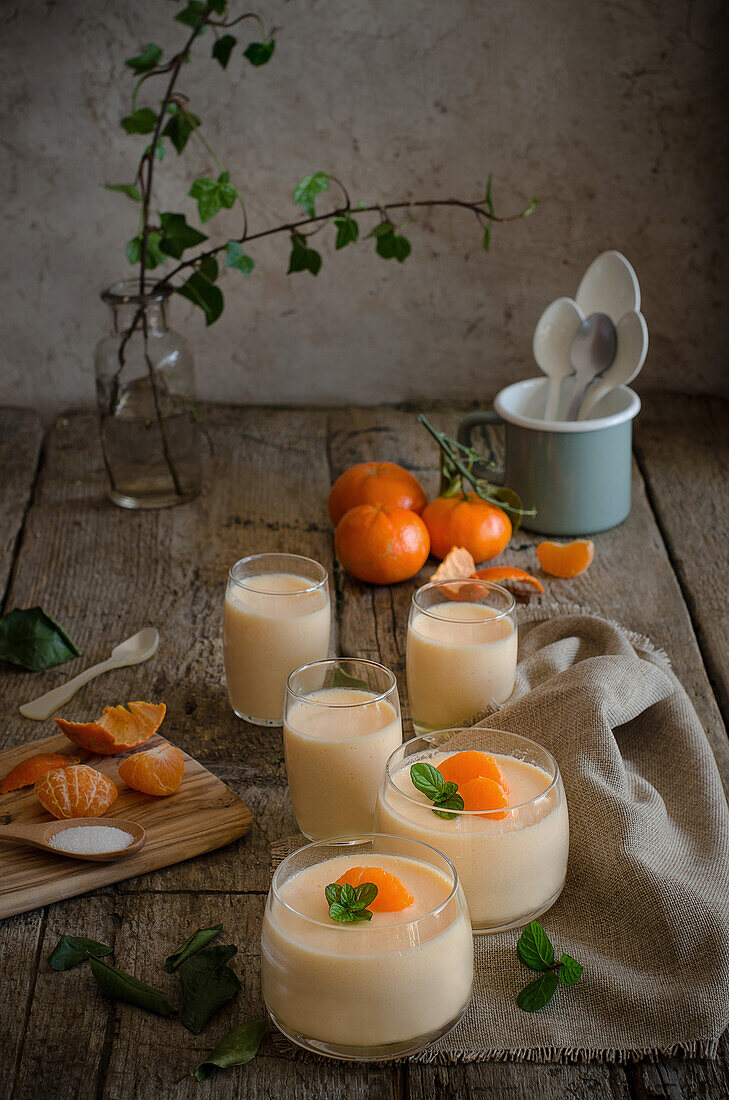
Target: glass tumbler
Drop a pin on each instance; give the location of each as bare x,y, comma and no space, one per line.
341,723
461,652
371,989
512,862
277,616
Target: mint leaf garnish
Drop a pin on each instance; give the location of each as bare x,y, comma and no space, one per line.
538,993
429,781
349,905
535,950
570,970
534,947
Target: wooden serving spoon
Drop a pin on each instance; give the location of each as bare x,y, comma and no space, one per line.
38,836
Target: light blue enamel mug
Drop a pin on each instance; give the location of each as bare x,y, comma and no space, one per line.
575,473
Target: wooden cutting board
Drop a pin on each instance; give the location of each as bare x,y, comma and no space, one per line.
203,814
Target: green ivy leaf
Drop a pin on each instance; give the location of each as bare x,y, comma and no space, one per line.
142,121
129,189
347,231
177,235
235,257
402,247
180,126
218,6
159,150
191,15
570,970
538,993
259,53
302,257
212,195
534,947
199,289
235,1049
223,48
308,188
147,60
155,255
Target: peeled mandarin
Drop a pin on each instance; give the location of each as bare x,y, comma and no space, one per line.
463,766
484,794
392,894
565,559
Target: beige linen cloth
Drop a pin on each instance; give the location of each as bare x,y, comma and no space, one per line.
645,907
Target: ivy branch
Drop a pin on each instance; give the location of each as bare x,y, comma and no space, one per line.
170,237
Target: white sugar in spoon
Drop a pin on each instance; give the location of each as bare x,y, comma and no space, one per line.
553,336
39,836
140,647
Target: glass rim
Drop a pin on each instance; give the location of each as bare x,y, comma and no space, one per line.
126,292
351,840
389,780
378,696
240,581
488,586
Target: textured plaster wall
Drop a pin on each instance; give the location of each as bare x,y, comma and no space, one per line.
612,113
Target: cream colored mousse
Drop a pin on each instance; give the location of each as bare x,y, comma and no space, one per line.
460,659
512,868
337,742
403,976
272,625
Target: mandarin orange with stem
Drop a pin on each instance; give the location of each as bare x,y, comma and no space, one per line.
382,484
156,771
465,520
392,894
381,545
78,791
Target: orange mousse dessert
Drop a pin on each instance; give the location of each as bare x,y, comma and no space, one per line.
366,947
497,810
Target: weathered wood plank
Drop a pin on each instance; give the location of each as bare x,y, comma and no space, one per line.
682,444
21,439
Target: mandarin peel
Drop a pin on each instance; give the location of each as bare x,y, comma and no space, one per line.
119,728
27,771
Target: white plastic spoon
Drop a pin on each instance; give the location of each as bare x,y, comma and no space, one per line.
610,286
140,647
632,332
553,336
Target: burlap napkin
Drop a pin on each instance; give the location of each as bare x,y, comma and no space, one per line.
645,907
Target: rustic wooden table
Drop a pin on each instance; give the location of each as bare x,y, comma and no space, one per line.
106,572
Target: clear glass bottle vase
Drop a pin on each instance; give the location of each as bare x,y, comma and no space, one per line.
145,385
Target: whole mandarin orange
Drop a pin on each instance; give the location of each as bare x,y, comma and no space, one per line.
381,545
382,484
481,528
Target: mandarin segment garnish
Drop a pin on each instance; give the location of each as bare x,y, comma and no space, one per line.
482,793
78,791
156,771
392,894
119,728
565,559
27,771
471,764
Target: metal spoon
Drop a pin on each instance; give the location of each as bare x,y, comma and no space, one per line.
632,333
553,336
38,836
592,351
140,647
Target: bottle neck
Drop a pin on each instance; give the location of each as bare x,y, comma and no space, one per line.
125,314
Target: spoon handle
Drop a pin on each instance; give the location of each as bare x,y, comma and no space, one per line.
24,834
553,394
577,398
44,706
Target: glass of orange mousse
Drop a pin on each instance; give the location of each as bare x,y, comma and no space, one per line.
461,651
277,616
369,983
341,723
493,802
